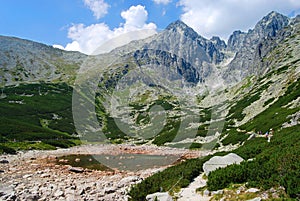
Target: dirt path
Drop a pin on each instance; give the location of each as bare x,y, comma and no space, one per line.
190,194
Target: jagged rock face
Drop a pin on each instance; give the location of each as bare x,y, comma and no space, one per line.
246,46
168,66
262,57
235,40
218,43
27,61
185,43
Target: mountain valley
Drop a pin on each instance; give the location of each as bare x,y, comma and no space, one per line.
174,89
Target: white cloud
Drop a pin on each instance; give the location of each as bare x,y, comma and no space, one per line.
222,17
87,39
135,18
162,1
99,7
59,47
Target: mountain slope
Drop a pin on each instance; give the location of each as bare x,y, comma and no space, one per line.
27,61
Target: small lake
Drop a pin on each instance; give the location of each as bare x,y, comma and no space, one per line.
127,162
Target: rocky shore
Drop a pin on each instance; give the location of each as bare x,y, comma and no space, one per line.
35,175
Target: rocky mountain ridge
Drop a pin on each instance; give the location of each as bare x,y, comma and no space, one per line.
246,45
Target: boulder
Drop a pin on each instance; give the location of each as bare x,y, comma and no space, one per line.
206,192
221,162
76,169
159,196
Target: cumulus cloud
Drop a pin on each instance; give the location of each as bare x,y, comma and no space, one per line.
99,7
87,39
135,18
222,17
165,2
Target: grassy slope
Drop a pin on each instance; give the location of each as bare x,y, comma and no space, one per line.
45,115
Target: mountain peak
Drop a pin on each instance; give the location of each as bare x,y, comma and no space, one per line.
180,27
274,15
176,24
273,19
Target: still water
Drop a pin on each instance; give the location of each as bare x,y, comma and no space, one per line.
127,162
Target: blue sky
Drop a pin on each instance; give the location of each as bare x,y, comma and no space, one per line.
77,24
47,21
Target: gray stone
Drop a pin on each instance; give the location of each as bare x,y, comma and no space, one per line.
26,176
45,175
252,190
58,193
206,192
76,169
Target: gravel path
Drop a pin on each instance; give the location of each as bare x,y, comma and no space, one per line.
190,194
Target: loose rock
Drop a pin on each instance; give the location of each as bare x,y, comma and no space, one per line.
76,169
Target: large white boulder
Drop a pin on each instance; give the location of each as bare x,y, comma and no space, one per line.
221,162
159,196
